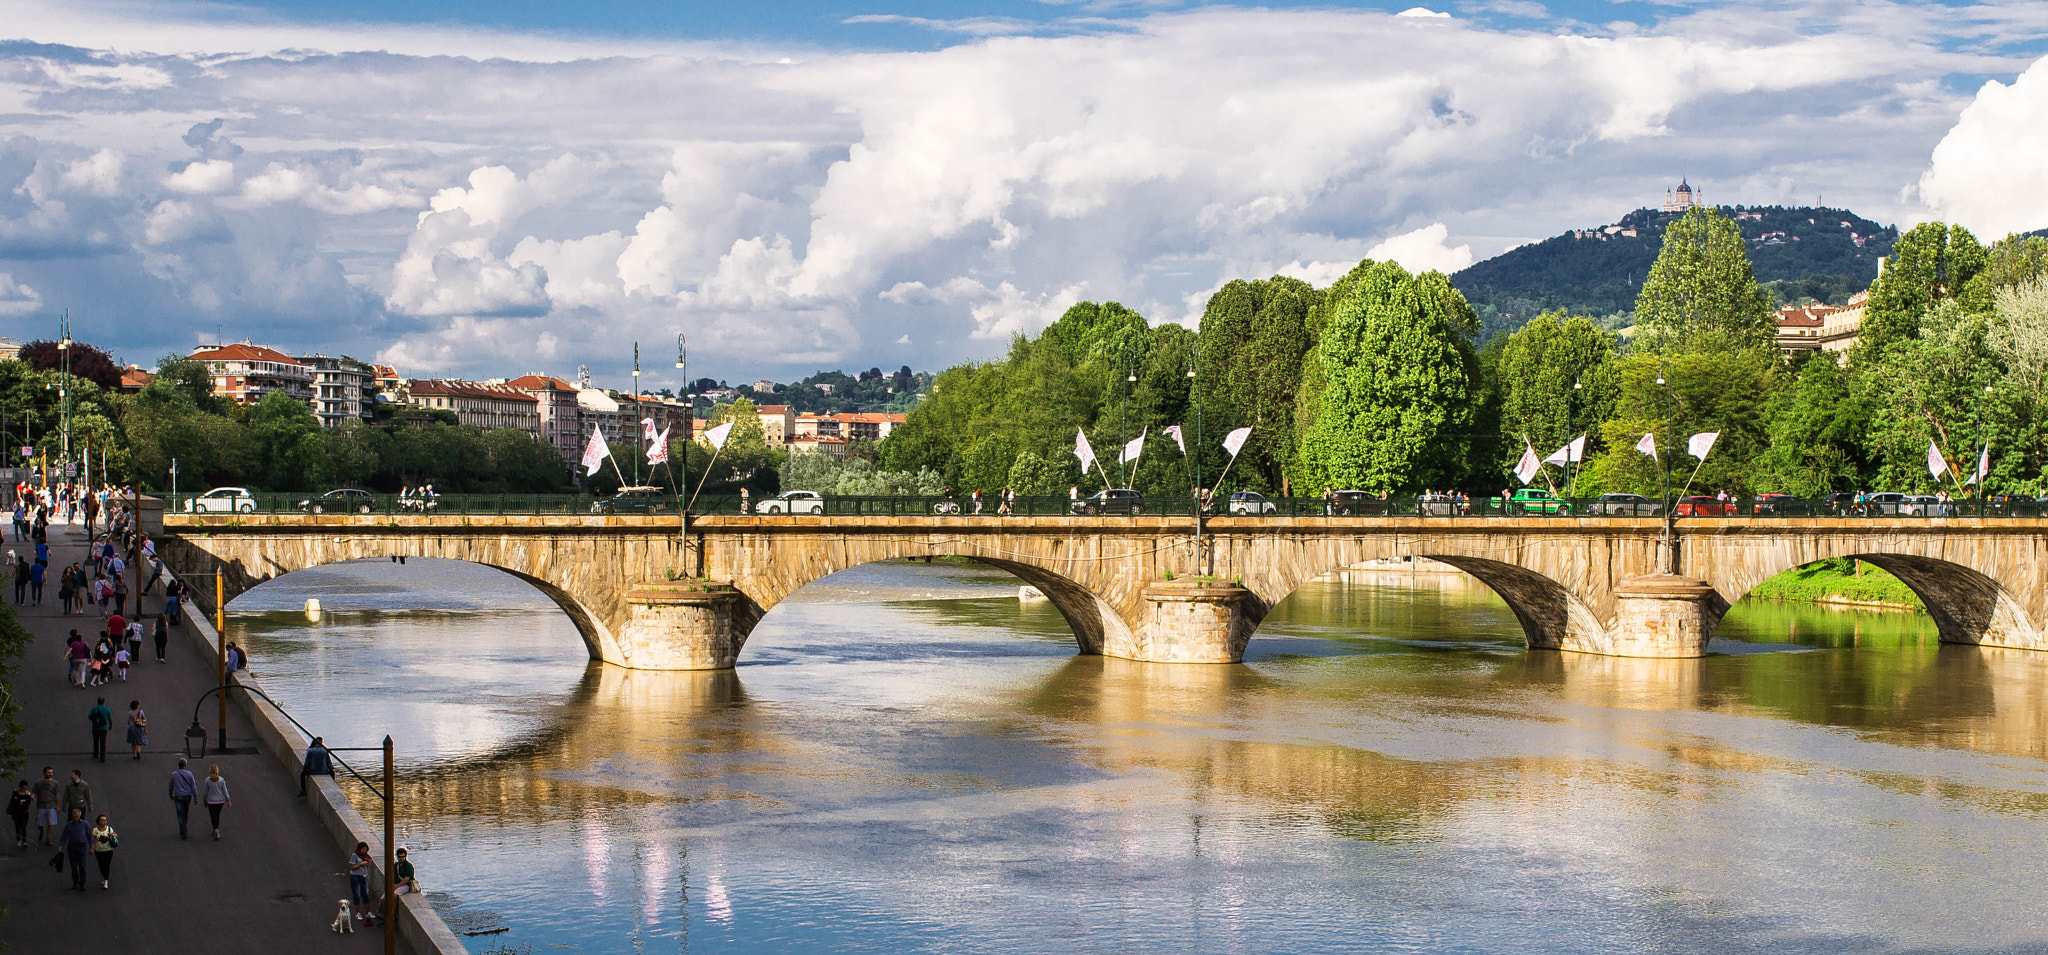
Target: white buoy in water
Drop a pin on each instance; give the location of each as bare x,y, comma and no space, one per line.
1028,594
312,608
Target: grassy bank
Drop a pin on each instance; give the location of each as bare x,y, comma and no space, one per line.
1836,581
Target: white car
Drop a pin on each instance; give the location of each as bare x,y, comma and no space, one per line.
223,500
793,502
1249,503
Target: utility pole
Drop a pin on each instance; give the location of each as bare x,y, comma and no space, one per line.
639,429
1670,506
682,469
64,384
1195,396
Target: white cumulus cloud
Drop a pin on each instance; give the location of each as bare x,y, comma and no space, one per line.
202,178
16,298
1990,172
1427,249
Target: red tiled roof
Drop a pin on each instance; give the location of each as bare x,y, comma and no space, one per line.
771,409
1805,316
243,351
440,388
132,377
859,417
540,383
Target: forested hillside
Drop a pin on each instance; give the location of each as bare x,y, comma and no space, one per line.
1797,253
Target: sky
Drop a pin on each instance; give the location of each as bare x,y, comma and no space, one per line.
489,189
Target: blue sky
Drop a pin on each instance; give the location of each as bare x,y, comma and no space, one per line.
488,189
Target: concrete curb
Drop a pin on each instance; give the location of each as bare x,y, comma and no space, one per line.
419,926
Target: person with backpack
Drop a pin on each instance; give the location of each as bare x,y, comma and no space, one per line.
102,720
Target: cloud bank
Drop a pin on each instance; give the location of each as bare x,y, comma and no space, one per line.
548,204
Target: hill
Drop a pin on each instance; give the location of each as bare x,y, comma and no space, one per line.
1800,252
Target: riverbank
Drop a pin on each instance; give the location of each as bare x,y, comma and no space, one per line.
1837,582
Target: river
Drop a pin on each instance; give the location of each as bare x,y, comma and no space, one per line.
910,759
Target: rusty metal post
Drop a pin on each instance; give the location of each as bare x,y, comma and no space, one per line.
390,860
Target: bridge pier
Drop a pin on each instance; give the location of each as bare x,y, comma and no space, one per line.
1657,615
1191,621
679,625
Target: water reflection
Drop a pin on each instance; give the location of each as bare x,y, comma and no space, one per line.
909,759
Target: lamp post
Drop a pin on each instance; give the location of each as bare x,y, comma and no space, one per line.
64,388
1195,396
640,441
1670,506
689,422
1984,440
1571,473
1124,420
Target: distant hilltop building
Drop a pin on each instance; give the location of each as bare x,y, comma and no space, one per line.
1680,199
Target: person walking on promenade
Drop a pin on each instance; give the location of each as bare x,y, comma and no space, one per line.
20,579
78,795
20,806
121,660
184,788
72,843
359,879
102,720
75,656
138,728
135,639
104,841
162,637
35,582
319,762
120,594
217,797
49,803
174,601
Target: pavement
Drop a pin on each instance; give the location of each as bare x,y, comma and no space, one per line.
269,884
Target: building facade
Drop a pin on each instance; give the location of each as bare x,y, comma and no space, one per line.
480,405
343,389
1824,328
247,372
778,424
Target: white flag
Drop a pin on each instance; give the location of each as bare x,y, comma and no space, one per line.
1083,451
1983,465
647,429
1936,464
1525,469
596,451
1134,447
1234,441
1174,429
1574,450
718,435
657,453
1649,443
1698,445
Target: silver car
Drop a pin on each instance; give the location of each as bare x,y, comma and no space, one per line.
1250,504
793,502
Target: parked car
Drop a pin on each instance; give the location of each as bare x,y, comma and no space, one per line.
1781,505
1250,503
1928,505
1885,504
793,502
341,500
1354,504
1116,500
1533,500
2009,505
1624,505
635,500
223,500
1704,505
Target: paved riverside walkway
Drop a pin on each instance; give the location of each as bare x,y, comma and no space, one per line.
270,884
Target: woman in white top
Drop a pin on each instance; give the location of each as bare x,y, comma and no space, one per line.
217,797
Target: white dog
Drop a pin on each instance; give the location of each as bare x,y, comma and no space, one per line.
344,920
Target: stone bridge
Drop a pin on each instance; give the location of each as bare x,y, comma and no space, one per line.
647,596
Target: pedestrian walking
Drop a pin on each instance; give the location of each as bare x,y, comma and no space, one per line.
78,794
72,845
319,762
217,797
162,636
138,727
75,656
104,841
102,720
359,879
20,806
120,592
121,661
49,804
183,789
35,582
20,579
135,638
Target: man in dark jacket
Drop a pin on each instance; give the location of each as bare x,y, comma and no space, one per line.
102,720
319,762
75,842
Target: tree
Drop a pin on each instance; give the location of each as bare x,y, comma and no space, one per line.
1930,263
1928,386
1254,337
1554,380
1397,406
1816,433
87,362
1712,389
745,455
1702,285
2010,262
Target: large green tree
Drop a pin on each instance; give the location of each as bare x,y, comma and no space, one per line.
1397,402
1928,264
1553,380
1702,287
1254,337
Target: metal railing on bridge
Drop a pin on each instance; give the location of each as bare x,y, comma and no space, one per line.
1341,504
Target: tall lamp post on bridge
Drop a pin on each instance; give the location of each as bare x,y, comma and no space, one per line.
1195,394
1664,466
689,422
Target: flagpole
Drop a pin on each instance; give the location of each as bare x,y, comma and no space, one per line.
715,452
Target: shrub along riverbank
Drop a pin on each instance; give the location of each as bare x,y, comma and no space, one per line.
1837,581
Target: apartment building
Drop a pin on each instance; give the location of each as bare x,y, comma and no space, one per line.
246,372
561,419
478,404
343,389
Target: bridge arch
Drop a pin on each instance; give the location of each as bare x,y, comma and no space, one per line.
1968,605
1551,615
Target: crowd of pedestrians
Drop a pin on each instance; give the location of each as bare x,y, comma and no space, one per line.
117,572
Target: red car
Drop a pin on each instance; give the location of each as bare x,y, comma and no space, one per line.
1701,505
